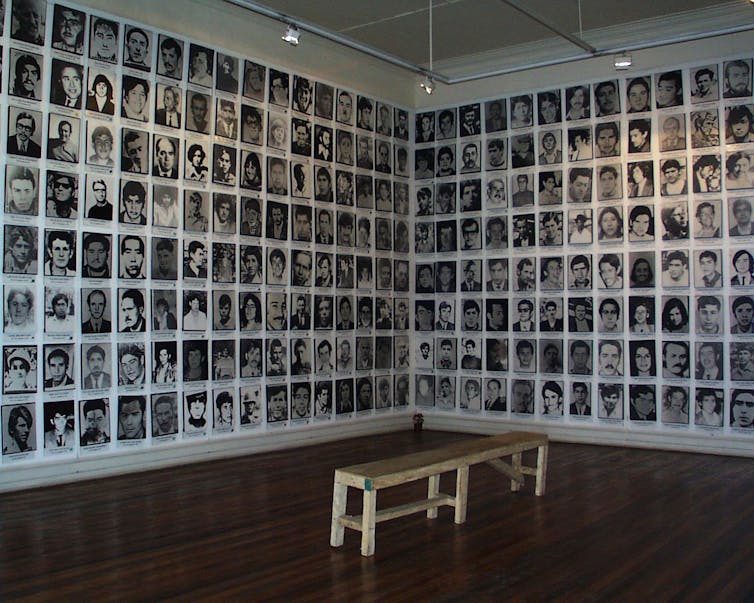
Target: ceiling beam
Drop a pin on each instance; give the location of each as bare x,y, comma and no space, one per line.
519,6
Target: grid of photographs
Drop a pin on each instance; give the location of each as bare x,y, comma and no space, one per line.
584,254
195,244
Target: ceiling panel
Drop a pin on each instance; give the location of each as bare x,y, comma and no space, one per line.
465,28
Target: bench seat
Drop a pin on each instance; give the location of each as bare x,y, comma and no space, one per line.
373,476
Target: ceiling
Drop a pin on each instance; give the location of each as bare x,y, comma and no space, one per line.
474,38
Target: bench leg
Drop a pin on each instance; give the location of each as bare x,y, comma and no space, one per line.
539,489
339,499
516,463
433,489
462,490
368,522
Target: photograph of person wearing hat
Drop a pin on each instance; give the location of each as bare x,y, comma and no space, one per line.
20,369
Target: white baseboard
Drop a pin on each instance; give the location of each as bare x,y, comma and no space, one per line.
48,472
699,441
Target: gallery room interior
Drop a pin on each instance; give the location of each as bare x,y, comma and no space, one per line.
234,263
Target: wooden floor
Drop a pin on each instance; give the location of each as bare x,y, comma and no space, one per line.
615,525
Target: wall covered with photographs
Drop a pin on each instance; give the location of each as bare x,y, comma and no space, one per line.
196,245
584,255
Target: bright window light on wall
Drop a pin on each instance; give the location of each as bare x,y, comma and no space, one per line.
622,61
291,35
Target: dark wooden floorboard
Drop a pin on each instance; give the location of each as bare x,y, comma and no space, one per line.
615,525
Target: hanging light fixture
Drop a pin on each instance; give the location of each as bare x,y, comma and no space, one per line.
428,85
291,35
622,61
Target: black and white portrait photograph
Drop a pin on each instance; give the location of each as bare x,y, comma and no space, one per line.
201,63
580,357
737,78
424,160
19,310
279,88
580,143
704,83
64,147
131,258
164,310
301,179
277,220
550,148
638,94
21,250
96,311
19,430
164,362
198,112
446,236
738,170
227,73
137,48
131,311
197,417
303,94
675,404
164,259
580,230
668,89
224,164
136,100
165,415
60,253
400,121
675,314
165,212
133,203
135,151
29,18
365,113
96,259
577,103
522,150
302,223
323,100
706,129
445,394
741,314
251,217
223,362
425,127
384,119
94,422
254,81
277,264
100,141
277,175
100,91
196,168
642,358
549,107
224,213
59,366
495,115
24,132
170,57
709,361
27,77
20,366
524,356
447,124
252,125
709,314
62,194
522,114
301,268
196,210
226,124
606,98
523,230
195,360
168,106
167,152
643,402
103,40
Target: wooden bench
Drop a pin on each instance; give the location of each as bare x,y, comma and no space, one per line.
371,477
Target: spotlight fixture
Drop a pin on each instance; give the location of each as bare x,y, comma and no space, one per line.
291,35
428,85
622,61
